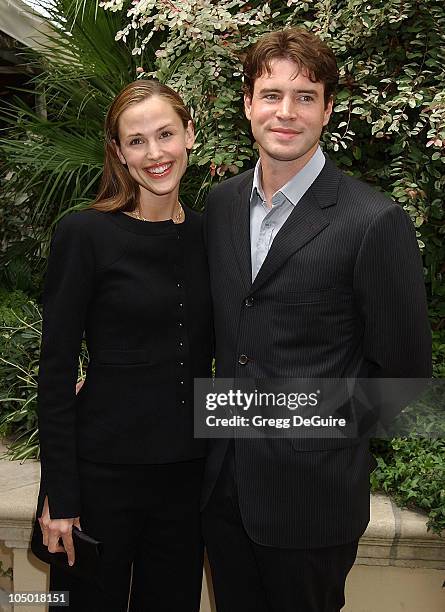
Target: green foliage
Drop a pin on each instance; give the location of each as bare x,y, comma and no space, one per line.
20,338
412,470
52,153
10,301
20,335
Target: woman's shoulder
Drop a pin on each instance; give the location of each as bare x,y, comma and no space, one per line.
84,221
88,226
92,233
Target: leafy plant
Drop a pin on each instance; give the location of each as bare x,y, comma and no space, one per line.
52,152
20,338
20,334
412,471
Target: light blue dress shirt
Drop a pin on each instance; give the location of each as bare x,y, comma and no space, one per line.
265,222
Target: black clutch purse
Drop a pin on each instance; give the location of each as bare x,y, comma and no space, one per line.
87,555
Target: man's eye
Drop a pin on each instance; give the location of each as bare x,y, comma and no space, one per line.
306,98
271,97
165,134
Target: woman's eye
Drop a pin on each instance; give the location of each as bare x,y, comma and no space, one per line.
136,141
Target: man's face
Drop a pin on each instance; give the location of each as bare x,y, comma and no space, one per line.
287,114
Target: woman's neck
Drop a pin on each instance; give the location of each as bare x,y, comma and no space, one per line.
158,208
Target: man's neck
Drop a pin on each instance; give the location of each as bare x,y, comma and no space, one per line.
276,173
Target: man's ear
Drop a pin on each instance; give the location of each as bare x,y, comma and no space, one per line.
189,136
328,111
247,105
119,153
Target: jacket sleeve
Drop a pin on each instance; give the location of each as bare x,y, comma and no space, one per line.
390,290
389,286
67,292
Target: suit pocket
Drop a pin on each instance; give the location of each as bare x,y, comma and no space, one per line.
123,357
314,296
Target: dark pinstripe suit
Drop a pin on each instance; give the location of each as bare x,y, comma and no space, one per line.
340,294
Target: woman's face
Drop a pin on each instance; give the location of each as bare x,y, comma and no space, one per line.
153,145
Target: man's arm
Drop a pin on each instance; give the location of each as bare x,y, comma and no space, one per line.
390,291
389,286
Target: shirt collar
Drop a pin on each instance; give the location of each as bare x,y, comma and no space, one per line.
294,189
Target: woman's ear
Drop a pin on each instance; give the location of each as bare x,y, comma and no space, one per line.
119,152
189,135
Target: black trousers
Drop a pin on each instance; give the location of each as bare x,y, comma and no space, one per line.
147,517
249,577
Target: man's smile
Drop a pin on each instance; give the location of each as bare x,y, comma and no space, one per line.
285,133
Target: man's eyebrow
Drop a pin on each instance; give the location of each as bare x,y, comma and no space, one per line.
268,90
312,92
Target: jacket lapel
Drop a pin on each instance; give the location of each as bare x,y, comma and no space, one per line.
305,222
240,226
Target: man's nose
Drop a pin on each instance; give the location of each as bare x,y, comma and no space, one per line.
286,109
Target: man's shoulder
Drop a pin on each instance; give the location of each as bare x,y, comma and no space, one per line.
359,197
233,185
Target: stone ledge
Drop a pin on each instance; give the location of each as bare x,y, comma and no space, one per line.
394,537
399,537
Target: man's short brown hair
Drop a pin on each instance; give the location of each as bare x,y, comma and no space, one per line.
304,48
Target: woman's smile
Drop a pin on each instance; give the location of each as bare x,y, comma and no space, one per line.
158,171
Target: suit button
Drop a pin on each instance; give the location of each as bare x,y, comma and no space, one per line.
248,302
243,359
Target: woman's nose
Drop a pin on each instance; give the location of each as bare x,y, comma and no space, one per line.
153,151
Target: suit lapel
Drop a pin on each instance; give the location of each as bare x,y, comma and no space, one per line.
305,222
240,226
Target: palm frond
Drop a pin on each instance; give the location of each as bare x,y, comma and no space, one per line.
54,150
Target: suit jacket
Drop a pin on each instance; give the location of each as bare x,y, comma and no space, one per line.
340,294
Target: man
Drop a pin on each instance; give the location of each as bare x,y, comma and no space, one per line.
314,275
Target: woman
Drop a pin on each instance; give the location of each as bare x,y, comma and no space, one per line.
119,460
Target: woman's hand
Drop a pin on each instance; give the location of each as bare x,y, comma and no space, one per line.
53,529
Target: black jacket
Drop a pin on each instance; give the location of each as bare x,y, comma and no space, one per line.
139,291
